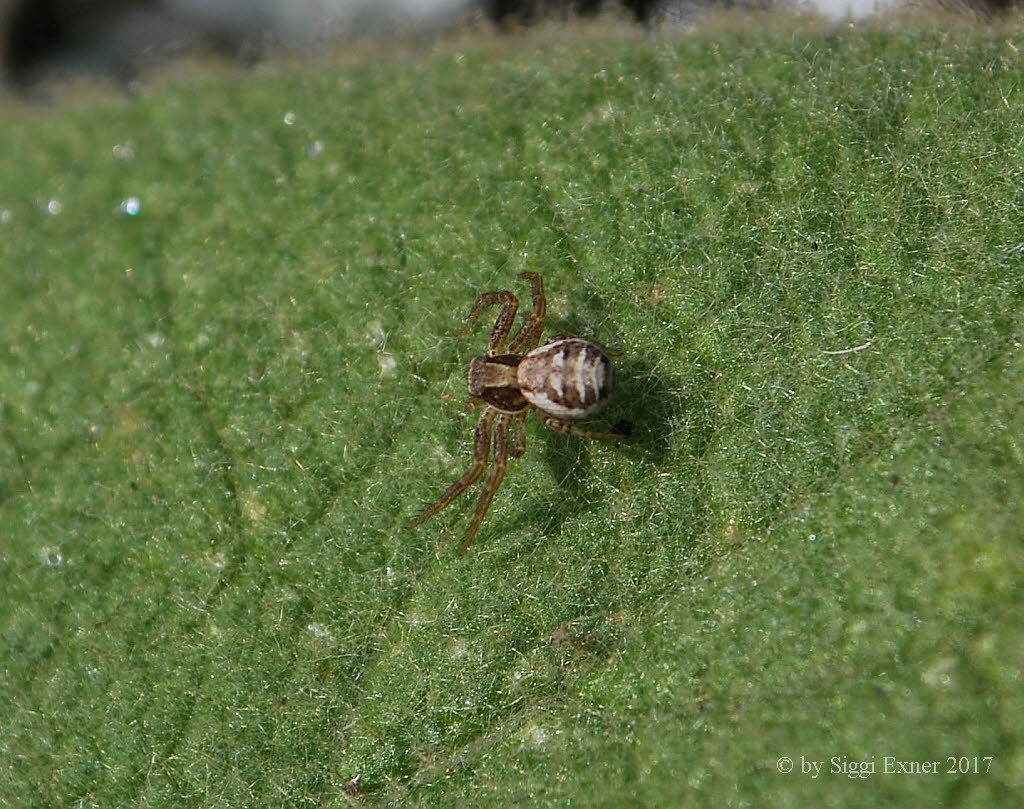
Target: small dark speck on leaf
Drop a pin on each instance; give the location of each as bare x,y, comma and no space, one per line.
352,787
562,635
894,480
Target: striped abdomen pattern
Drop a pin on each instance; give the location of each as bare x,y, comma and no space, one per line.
568,379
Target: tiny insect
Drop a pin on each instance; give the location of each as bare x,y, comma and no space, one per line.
566,379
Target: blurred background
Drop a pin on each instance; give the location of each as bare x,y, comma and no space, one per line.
121,39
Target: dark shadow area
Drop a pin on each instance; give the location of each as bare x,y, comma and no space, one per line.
666,415
660,408
510,13
112,38
124,39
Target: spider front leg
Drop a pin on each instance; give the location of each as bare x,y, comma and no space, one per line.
502,326
481,448
528,336
493,480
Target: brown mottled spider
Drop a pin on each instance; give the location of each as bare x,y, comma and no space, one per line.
566,379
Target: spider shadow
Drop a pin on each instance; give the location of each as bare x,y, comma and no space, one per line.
666,415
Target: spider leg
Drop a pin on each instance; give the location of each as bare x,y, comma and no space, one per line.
566,428
481,447
502,326
519,438
493,480
528,336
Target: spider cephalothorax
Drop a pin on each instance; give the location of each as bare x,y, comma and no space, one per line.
566,379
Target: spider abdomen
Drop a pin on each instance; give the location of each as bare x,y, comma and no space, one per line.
569,378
